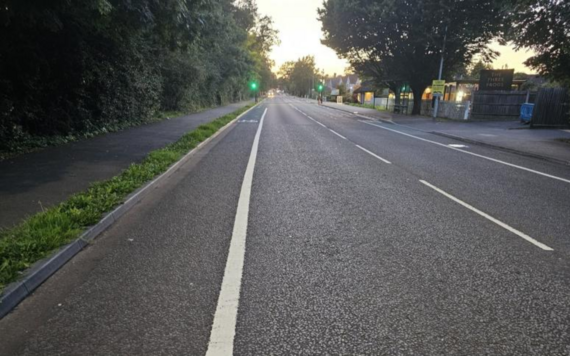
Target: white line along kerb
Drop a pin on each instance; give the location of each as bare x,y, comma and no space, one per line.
224,326
489,217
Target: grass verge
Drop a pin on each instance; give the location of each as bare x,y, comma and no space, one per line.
42,233
367,106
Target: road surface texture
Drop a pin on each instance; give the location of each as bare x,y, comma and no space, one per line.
511,134
38,180
362,239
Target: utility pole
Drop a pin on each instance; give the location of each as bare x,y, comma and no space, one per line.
437,98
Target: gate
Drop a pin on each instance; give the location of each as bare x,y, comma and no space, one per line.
552,108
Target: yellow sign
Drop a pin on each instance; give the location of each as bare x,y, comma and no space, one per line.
438,87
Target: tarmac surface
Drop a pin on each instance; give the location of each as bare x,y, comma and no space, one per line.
357,244
38,180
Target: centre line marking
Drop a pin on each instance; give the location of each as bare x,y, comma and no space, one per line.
336,133
224,326
489,217
470,153
374,155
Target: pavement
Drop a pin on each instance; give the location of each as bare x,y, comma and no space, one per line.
363,238
509,135
38,180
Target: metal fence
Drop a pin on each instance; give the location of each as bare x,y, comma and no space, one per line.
552,108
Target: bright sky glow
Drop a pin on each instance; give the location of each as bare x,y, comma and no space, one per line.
300,34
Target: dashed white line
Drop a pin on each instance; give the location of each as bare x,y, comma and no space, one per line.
336,133
489,217
224,327
374,155
471,153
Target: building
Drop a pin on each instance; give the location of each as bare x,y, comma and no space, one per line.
351,82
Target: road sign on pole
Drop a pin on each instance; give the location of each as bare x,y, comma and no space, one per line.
438,87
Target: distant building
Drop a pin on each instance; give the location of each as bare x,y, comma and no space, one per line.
351,82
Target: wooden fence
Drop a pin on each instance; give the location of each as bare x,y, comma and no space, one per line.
552,108
498,105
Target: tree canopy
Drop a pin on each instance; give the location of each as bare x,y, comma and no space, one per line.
397,42
544,27
301,76
74,66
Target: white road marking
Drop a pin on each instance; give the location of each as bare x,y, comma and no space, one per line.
224,327
471,153
336,133
489,217
372,154
457,145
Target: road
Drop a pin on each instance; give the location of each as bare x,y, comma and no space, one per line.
304,230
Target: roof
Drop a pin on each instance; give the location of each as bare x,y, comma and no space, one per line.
333,83
364,89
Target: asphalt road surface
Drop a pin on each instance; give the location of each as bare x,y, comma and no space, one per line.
304,230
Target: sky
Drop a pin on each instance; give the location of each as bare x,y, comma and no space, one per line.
300,34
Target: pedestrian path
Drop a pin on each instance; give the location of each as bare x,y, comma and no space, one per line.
35,181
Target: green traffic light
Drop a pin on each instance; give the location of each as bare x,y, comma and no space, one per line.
253,86
320,87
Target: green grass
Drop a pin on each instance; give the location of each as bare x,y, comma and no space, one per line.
367,106
41,234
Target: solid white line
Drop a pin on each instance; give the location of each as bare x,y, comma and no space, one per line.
471,153
224,326
489,217
336,133
374,155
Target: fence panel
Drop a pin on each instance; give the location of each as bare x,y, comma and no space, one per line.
552,108
497,105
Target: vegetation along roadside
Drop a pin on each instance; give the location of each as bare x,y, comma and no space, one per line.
42,233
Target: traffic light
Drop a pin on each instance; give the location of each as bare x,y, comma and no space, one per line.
320,87
253,85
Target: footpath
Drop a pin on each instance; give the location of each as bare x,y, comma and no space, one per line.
35,181
512,136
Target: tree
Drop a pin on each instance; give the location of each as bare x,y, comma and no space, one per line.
542,25
475,71
400,42
70,67
300,76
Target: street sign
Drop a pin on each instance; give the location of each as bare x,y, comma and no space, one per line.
438,87
335,92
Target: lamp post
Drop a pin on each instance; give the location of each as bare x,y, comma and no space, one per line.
436,107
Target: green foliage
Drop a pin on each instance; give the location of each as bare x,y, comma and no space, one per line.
301,76
38,236
367,106
542,25
398,42
72,67
475,70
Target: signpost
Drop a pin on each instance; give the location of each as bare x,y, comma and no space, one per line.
438,87
501,79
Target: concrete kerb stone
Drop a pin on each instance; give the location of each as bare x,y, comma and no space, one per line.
43,269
